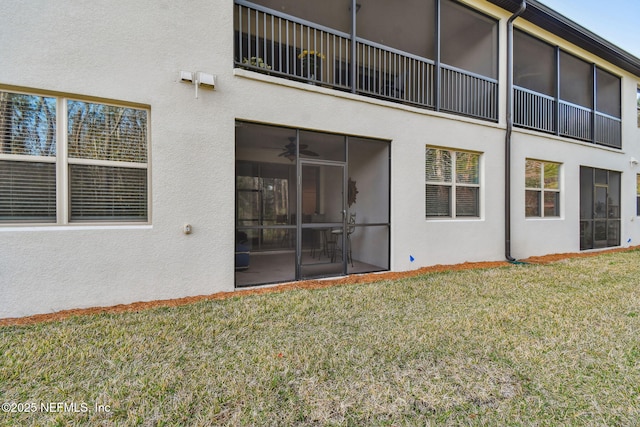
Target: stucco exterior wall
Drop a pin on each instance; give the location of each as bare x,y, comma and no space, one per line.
129,51
132,51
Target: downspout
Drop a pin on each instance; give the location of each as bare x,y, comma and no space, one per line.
507,145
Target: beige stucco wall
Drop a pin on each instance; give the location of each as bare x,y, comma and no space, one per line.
133,51
129,51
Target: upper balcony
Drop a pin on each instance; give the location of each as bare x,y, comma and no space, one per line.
434,54
558,93
444,61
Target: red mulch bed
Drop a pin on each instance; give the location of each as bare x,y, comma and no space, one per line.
309,284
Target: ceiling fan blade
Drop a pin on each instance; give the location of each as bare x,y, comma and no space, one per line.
309,153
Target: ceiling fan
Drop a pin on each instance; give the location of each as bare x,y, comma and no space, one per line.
289,150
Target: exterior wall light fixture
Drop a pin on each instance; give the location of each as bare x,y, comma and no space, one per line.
198,79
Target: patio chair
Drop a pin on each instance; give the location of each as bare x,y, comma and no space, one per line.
351,227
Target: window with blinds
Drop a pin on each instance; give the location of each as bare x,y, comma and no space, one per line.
101,175
106,132
107,150
107,193
452,183
542,189
27,192
27,158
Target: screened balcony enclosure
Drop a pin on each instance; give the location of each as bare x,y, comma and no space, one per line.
404,53
558,93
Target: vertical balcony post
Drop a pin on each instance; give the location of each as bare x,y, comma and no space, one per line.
594,102
557,94
354,48
437,71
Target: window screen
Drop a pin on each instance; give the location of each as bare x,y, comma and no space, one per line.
409,27
576,79
331,13
533,64
608,93
469,40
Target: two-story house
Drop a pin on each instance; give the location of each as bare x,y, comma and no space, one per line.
155,149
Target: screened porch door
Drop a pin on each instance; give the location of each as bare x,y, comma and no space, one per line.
322,246
599,208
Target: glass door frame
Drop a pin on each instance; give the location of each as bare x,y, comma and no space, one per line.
301,225
603,219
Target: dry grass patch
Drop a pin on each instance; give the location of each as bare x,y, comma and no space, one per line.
548,344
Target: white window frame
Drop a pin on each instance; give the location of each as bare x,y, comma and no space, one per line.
542,189
64,162
454,185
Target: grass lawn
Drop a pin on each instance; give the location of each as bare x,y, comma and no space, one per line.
542,345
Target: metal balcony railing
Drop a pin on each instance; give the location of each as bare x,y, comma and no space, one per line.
536,111
465,93
275,43
271,42
281,45
608,130
390,73
575,121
